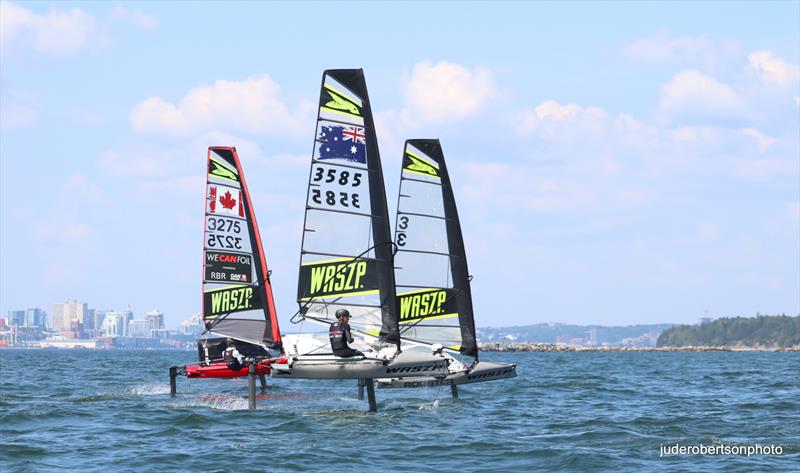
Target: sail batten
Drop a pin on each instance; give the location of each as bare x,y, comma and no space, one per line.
346,258
435,301
237,294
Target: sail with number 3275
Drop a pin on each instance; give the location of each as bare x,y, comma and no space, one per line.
237,294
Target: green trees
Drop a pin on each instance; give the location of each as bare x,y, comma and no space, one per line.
769,331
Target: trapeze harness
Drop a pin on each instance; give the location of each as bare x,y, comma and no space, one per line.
232,358
339,335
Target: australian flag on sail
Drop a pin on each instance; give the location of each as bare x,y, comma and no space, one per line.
342,142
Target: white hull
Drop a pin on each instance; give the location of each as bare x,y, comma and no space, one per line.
330,367
481,372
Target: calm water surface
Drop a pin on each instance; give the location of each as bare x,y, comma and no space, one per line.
111,410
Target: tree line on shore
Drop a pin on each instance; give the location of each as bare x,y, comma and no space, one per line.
769,331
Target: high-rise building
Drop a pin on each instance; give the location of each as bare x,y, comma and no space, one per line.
155,320
35,317
64,314
115,323
94,323
138,328
193,326
16,317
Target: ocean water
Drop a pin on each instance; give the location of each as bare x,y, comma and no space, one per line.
77,410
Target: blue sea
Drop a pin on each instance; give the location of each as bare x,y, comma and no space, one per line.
76,410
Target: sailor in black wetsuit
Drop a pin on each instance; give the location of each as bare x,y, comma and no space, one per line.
339,335
232,357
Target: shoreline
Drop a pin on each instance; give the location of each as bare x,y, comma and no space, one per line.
552,347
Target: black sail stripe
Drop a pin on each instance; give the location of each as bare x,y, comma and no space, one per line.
378,252
459,296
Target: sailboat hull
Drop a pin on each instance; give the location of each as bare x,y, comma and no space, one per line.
221,370
481,372
331,367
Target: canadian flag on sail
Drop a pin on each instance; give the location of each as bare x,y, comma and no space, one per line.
226,201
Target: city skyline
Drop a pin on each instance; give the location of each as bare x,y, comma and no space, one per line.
633,163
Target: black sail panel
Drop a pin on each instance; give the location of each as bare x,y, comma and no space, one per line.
346,258
237,294
433,291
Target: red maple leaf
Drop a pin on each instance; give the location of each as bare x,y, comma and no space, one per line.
227,200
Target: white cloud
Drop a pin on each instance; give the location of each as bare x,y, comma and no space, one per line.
550,114
764,169
57,31
134,17
13,116
250,106
663,48
192,185
764,141
793,211
136,163
691,95
760,281
708,231
772,70
78,186
445,91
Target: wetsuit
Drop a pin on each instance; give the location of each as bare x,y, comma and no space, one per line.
232,358
339,335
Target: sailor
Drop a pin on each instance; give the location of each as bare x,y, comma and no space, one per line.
232,357
339,335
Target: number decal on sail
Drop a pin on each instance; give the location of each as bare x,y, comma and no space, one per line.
402,224
220,224
330,198
222,241
337,188
342,177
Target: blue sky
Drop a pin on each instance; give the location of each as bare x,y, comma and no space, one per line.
613,163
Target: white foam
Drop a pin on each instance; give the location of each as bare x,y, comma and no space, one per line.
430,407
148,389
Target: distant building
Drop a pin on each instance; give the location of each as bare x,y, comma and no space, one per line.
704,320
593,336
160,333
115,323
75,330
64,314
155,320
35,317
93,325
16,317
138,328
193,326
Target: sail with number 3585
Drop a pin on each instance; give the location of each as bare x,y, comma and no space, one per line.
346,256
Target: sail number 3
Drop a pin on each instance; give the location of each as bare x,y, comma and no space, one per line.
402,224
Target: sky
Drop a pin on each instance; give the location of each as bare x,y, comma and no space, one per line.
613,163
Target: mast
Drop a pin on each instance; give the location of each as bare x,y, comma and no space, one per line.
434,296
346,257
237,294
